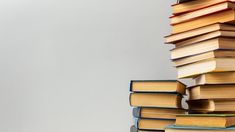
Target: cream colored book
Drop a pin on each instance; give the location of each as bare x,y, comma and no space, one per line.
215,78
211,35
202,47
206,66
176,38
204,56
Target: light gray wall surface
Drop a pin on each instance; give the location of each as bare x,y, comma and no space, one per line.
66,64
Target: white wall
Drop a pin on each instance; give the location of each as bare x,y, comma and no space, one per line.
66,64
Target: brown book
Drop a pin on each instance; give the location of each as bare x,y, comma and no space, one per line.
204,56
215,78
152,124
227,16
194,5
157,86
202,47
214,91
157,113
201,12
206,120
211,35
206,66
163,100
175,38
212,105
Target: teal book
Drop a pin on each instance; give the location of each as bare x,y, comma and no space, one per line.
173,128
133,129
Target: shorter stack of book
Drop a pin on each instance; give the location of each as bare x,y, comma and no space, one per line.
156,103
203,123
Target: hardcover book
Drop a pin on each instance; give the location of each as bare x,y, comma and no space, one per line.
206,120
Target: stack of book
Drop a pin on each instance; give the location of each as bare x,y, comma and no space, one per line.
204,38
156,103
203,123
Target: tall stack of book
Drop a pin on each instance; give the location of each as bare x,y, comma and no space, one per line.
203,123
156,103
204,38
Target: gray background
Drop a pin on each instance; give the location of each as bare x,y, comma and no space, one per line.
66,64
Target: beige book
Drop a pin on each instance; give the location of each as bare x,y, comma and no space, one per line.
163,100
211,35
206,120
204,56
176,38
212,92
227,16
206,66
215,78
202,47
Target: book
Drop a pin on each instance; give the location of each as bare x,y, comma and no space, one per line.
194,5
226,16
174,128
206,120
201,12
204,56
158,113
155,100
212,91
176,38
181,1
202,47
207,36
215,78
133,129
206,66
157,86
212,105
152,124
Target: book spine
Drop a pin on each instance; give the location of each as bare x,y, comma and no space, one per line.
136,123
136,112
131,84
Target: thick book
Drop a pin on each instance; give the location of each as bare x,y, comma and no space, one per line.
174,128
221,43
204,56
193,5
134,129
201,12
207,36
212,105
206,66
226,16
206,120
152,124
161,100
157,86
215,78
177,38
213,91
157,113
